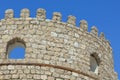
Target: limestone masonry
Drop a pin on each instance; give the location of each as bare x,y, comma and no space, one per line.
54,50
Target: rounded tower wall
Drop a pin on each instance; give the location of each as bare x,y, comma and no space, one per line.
56,45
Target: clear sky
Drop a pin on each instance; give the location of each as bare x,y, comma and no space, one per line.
105,14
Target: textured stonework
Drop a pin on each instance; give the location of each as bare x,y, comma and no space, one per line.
55,50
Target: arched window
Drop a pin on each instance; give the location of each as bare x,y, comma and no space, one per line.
16,49
94,63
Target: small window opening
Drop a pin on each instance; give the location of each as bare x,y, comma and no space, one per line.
16,49
94,64
17,53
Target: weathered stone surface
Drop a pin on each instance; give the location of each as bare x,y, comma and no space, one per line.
44,77
10,67
54,50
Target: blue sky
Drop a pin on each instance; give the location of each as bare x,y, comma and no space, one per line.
105,14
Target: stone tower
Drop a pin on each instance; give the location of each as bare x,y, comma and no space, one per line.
54,50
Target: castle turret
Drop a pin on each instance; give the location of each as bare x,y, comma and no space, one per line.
54,50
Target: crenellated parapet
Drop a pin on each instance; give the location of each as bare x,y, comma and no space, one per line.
71,20
41,15
9,14
94,31
25,13
61,50
56,16
102,36
84,25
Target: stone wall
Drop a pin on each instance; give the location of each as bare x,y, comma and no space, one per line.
55,50
25,72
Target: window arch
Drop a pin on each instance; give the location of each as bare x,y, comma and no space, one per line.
94,63
15,49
